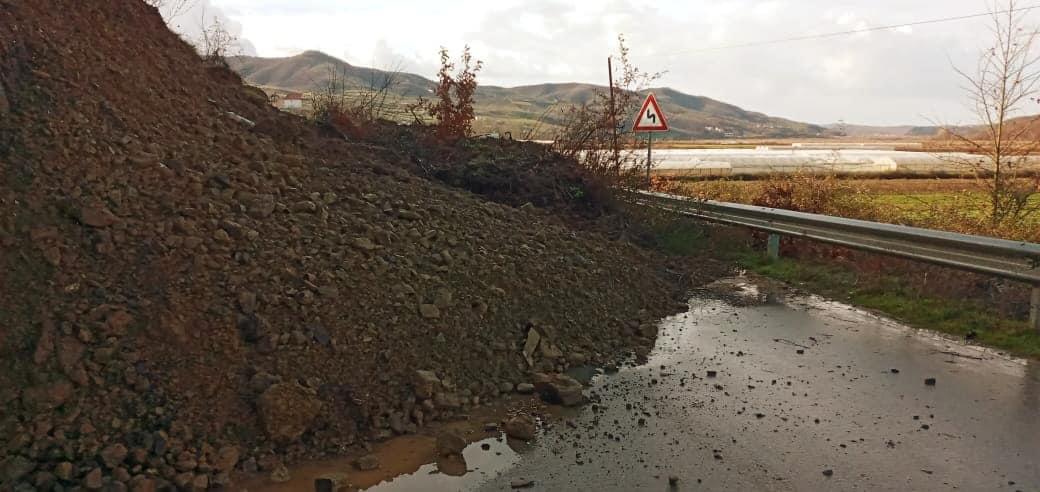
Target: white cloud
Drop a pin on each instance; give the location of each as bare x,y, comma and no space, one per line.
199,15
882,77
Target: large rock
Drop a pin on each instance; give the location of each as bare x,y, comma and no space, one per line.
426,384
287,411
559,389
521,427
450,444
227,458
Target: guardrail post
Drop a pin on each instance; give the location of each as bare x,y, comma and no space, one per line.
1034,309
773,249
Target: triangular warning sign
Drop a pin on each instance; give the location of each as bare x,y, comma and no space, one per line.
650,117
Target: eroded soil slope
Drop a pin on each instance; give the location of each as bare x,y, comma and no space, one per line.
183,294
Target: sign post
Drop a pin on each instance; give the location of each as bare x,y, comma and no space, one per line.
650,120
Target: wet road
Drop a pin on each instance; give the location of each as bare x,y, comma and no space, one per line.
806,396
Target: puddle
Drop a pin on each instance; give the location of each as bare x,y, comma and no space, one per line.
481,461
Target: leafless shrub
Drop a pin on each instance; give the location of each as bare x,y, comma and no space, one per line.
344,105
215,43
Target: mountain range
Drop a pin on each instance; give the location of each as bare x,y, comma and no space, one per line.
532,110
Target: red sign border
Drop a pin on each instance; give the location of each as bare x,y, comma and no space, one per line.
663,127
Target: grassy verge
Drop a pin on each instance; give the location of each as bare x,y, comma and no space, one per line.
887,294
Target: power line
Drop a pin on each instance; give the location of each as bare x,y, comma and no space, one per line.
846,33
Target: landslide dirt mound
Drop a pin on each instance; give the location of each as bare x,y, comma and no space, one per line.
184,295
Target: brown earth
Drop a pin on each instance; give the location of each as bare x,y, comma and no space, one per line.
183,294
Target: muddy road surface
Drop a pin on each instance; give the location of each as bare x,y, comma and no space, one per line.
762,389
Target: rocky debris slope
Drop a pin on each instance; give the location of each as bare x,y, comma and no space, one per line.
195,284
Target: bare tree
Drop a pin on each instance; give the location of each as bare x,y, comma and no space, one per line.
1006,78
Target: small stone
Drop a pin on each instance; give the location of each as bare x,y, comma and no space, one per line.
368,462
895,371
227,458
365,244
828,472
143,484
201,482
712,374
521,483
250,466
505,387
307,207
247,302
426,384
429,311
450,444
183,480
93,480
577,359
16,467
280,474
97,216
43,480
331,482
929,382
800,351
525,388
114,455
521,427
673,480
64,470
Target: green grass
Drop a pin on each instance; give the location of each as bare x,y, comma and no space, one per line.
889,295
885,294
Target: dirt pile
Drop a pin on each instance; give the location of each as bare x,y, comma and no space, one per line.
185,294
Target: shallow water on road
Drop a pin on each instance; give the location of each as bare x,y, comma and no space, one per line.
755,388
806,394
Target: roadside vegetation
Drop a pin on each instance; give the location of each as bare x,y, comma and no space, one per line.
982,309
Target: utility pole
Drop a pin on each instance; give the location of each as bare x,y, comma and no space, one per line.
613,118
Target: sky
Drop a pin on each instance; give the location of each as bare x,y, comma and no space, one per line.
890,77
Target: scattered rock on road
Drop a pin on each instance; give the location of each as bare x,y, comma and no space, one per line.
521,427
560,389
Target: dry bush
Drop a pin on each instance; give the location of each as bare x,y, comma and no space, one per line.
588,133
215,42
452,107
338,105
812,193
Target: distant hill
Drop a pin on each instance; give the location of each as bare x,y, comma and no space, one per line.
534,107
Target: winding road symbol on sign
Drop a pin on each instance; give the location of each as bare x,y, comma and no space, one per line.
651,118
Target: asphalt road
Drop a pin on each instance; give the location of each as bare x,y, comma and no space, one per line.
762,389
835,416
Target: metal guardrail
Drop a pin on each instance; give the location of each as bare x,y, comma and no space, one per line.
1014,260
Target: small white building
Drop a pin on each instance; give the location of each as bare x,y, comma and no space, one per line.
291,101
